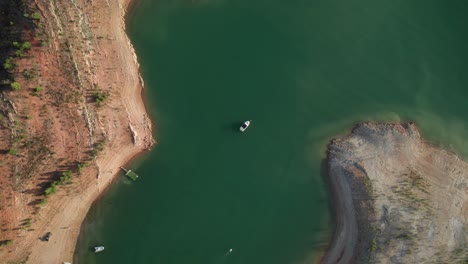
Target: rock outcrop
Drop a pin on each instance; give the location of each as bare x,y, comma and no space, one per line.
398,199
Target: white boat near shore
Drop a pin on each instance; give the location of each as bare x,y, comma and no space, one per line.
98,249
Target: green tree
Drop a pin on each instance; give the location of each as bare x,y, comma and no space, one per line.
26,45
100,96
36,16
19,53
51,190
15,86
8,65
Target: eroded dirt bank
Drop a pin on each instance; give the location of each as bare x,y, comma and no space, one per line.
397,198
86,120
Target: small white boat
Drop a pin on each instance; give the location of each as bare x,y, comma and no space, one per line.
98,249
245,126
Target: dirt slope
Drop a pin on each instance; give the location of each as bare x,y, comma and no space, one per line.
79,49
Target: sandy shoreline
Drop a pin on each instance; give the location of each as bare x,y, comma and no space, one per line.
112,64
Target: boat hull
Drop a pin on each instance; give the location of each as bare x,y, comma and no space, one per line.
244,126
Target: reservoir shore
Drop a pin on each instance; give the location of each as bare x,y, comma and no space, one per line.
396,198
107,61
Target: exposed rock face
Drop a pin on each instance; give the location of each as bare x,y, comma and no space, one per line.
398,199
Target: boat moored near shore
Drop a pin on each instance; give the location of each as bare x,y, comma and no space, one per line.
98,249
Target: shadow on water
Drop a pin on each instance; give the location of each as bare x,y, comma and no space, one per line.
233,126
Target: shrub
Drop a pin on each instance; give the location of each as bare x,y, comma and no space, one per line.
29,74
36,16
38,89
66,177
15,86
12,151
81,166
98,147
19,53
100,96
51,190
26,46
373,245
6,242
8,65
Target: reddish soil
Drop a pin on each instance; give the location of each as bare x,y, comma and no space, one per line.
75,53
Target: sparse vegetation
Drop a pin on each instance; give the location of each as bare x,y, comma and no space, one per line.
26,46
19,53
100,96
65,178
5,243
27,222
81,166
373,245
9,64
36,16
12,151
51,189
98,147
29,74
21,48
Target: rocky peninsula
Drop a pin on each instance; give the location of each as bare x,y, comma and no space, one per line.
397,198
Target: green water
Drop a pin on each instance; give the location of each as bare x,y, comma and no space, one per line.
303,71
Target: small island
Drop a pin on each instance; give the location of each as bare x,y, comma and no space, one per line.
397,198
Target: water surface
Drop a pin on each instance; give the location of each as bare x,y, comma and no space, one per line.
303,71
